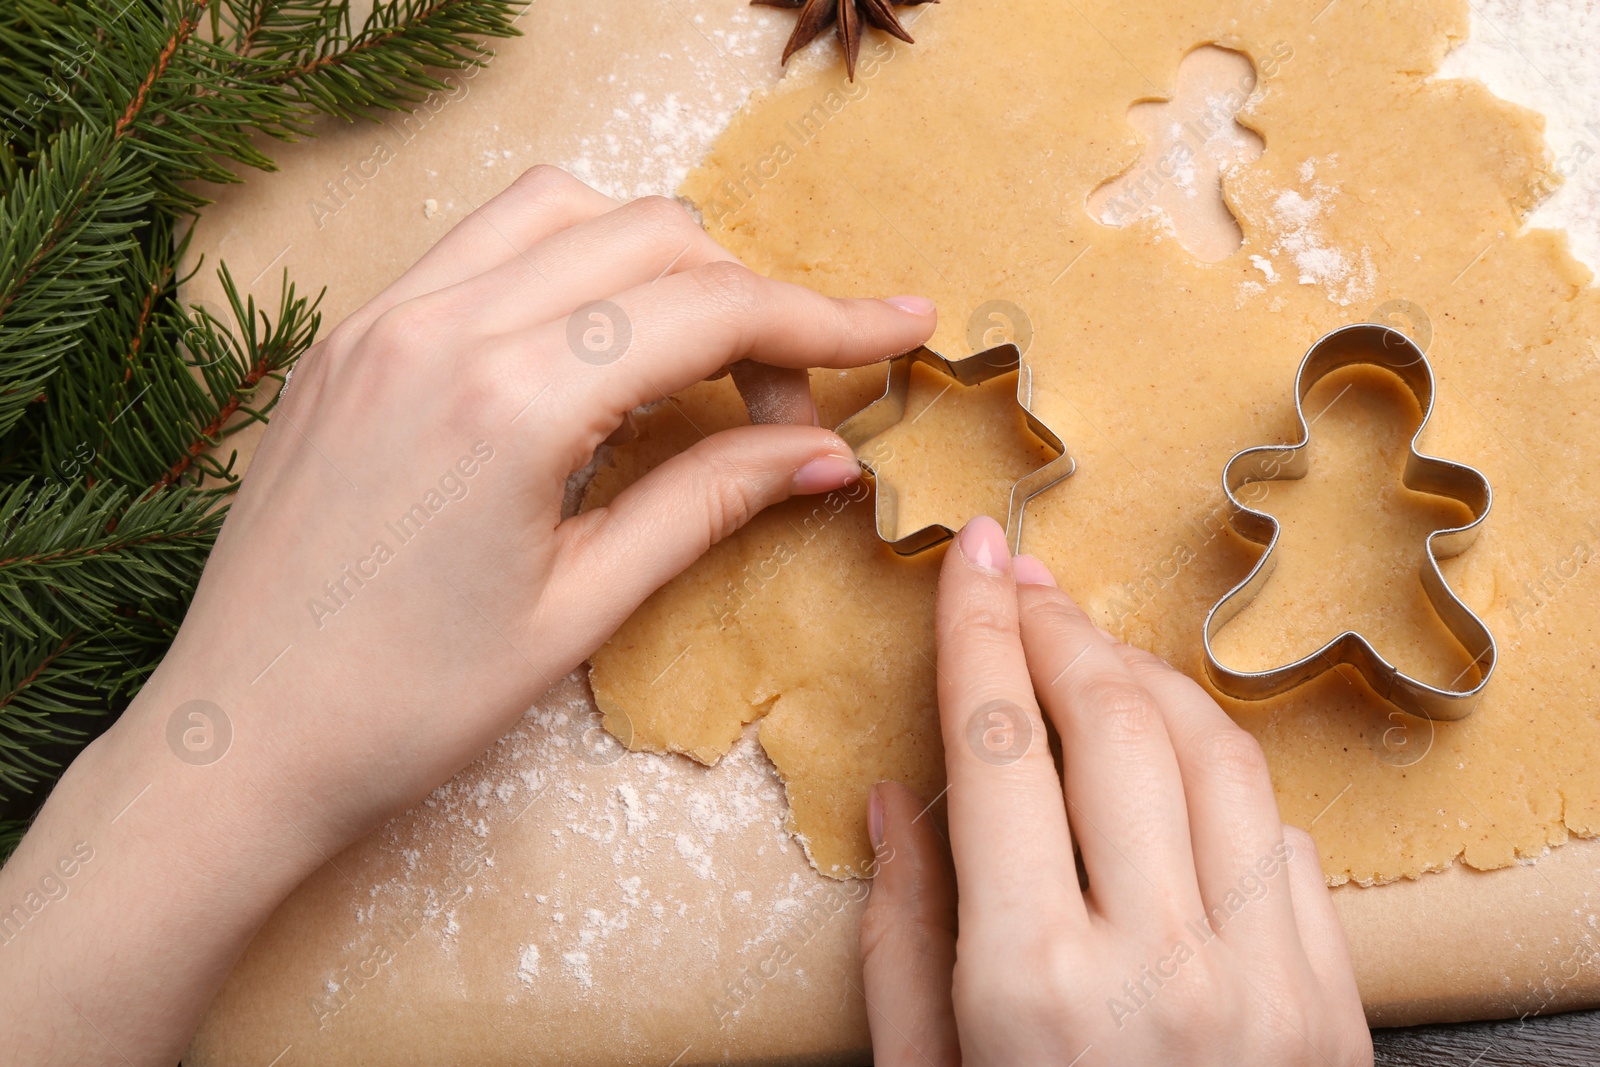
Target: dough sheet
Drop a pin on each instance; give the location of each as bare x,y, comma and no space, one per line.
960,168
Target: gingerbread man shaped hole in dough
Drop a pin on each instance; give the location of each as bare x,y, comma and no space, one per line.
1190,143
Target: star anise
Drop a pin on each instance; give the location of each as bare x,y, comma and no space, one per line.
846,16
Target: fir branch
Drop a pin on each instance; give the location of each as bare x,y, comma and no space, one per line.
188,23
65,230
386,64
246,19
179,102
27,723
37,73
103,380
69,560
233,364
114,399
54,692
283,32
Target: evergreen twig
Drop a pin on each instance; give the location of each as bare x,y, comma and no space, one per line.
115,399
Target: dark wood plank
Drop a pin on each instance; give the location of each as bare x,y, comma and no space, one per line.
1571,1040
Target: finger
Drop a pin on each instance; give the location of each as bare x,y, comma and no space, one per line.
772,394
1008,828
908,935
542,201
614,556
631,246
775,394
1321,934
1233,813
613,250
662,337
1124,794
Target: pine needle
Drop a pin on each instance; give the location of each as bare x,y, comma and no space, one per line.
116,401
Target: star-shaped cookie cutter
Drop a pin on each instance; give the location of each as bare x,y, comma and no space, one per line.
877,417
1380,346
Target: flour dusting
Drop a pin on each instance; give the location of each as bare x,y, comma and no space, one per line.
648,144
1297,231
528,964
677,835
1545,54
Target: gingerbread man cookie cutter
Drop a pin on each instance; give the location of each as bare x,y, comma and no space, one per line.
879,416
1379,346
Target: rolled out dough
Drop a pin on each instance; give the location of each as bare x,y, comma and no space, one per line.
963,175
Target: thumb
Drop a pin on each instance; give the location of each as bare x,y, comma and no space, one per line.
615,556
908,935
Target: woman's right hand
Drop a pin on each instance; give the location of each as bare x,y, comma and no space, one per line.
1205,935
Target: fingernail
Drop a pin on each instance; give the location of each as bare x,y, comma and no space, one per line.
875,818
1107,634
983,544
913,305
825,474
1029,571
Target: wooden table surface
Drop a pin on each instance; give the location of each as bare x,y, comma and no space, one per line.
1551,1041
1571,1040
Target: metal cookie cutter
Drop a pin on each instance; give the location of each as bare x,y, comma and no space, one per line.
1379,346
889,409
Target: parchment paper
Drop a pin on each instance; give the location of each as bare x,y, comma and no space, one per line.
761,963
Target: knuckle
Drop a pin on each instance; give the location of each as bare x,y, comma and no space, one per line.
728,502
1203,1005
730,289
1235,755
411,326
476,393
1201,1000
314,361
393,331
1299,847
903,928
878,923
983,616
1055,616
1185,1017
1126,712
1039,991
1142,662
310,377
834,319
543,182
1290,1031
539,192
343,337
662,215
1299,840
1059,981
